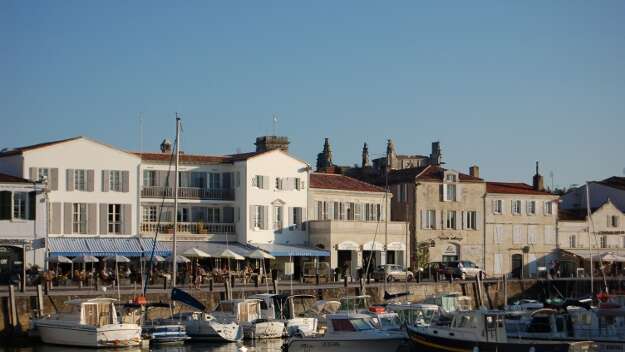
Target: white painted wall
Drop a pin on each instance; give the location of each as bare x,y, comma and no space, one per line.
274,164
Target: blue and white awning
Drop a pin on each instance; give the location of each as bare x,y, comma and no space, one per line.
103,247
285,250
148,245
69,247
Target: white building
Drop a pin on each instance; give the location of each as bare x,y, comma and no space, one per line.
22,221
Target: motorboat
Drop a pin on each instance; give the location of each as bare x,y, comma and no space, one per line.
156,331
524,305
348,332
385,320
484,331
88,323
295,311
450,302
202,326
419,314
355,304
605,325
247,313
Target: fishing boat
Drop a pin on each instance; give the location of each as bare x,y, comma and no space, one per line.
247,313
295,311
450,302
348,332
484,331
157,331
88,323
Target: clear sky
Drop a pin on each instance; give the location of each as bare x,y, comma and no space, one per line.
499,83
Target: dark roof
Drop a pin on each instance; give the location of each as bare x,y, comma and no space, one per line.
513,188
425,173
572,214
614,181
20,150
198,158
341,182
4,178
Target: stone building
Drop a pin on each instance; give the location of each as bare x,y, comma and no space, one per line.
445,210
605,229
520,228
347,217
612,188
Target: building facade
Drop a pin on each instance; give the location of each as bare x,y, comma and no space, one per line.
520,229
348,218
22,222
612,188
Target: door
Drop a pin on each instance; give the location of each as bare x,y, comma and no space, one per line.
517,265
10,265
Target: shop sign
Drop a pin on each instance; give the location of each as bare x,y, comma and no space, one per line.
451,250
347,246
289,268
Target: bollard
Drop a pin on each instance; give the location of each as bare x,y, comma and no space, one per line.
275,286
39,300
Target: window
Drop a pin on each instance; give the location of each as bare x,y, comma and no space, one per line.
43,173
548,208
451,192
516,207
213,215
497,206
258,216
550,234
471,222
183,215
450,178
572,241
19,205
80,180
214,180
277,218
531,207
531,234
149,178
79,223
430,219
322,212
258,181
350,211
612,221
198,179
299,184
149,214
297,216
499,234
378,209
517,235
279,183
451,219
603,241
115,181
115,224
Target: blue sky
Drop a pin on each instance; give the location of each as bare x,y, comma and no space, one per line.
499,83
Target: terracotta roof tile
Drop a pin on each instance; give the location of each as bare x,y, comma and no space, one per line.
4,178
425,173
513,188
197,158
341,182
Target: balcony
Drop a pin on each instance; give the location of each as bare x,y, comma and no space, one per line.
149,228
357,228
188,193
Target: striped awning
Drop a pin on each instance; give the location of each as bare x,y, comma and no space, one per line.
284,250
101,247
69,247
147,244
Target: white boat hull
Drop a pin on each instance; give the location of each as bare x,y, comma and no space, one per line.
263,330
113,335
321,344
303,326
211,330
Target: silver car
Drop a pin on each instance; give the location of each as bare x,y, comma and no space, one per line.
392,272
463,269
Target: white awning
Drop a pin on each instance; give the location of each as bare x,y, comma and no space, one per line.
396,246
348,246
373,246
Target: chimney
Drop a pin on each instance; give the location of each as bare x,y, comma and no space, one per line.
165,146
436,157
267,143
474,171
537,182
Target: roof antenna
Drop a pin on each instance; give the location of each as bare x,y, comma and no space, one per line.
141,132
275,123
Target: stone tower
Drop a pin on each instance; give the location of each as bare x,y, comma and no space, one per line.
267,143
391,156
324,159
365,156
436,157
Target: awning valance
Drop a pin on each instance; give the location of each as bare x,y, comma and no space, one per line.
102,247
284,250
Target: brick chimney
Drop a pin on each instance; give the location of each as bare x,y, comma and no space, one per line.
537,182
474,171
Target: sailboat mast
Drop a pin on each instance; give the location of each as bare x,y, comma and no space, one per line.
174,254
592,281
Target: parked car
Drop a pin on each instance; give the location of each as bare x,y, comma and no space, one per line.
392,272
463,269
433,270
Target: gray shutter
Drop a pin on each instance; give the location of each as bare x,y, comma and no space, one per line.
227,180
125,181
478,220
55,221
32,205
266,182
127,219
69,180
33,173
228,215
251,216
53,182
5,205
90,185
106,181
67,218
265,217
104,218
290,216
92,218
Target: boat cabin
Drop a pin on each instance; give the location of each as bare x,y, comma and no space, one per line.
475,325
95,312
241,310
355,303
415,313
577,322
345,323
284,307
450,302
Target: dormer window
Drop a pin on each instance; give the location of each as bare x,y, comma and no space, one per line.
449,187
613,221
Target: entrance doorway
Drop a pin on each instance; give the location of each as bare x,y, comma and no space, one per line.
344,262
517,265
10,264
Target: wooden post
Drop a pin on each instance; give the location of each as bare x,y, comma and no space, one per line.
345,281
210,284
361,282
505,290
24,268
478,285
228,293
275,286
164,283
232,280
12,307
40,300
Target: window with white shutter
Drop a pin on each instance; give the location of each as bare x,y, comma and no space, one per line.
516,207
498,264
499,234
517,236
548,208
531,234
550,234
531,207
497,206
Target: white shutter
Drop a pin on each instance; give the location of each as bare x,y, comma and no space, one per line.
458,224
254,183
498,264
498,234
444,192
478,220
464,220
494,206
458,192
503,207
423,215
531,234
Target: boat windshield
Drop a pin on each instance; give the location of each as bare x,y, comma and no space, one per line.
390,322
226,307
301,305
354,304
352,324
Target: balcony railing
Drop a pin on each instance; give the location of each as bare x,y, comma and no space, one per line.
188,193
188,227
